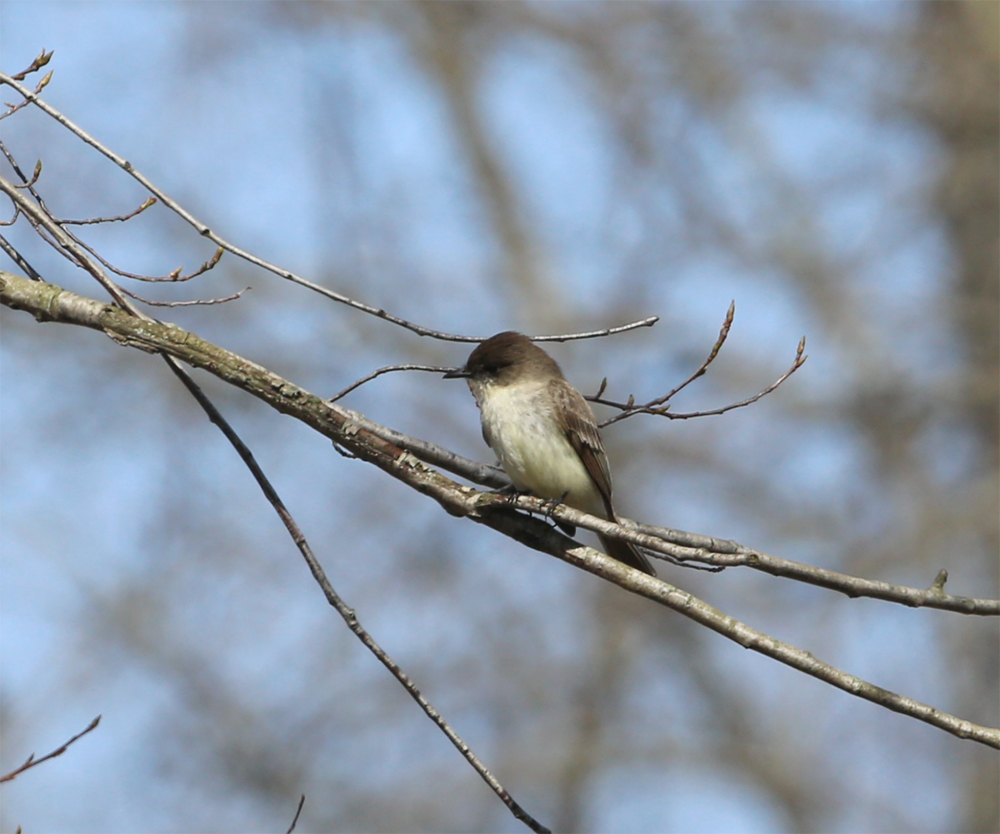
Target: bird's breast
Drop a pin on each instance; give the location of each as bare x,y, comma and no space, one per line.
520,425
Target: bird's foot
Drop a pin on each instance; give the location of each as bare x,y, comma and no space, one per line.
550,506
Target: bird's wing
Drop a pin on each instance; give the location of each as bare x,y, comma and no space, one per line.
581,431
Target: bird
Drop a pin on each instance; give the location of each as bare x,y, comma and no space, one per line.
543,431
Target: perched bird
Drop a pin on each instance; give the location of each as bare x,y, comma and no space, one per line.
543,431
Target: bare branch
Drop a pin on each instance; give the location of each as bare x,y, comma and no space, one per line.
387,369
150,201
65,244
19,293
31,761
13,108
19,259
190,303
173,277
295,819
479,473
49,302
680,546
28,183
205,231
593,334
657,408
335,600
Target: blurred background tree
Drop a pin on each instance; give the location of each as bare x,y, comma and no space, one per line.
544,167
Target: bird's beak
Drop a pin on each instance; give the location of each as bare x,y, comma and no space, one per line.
458,373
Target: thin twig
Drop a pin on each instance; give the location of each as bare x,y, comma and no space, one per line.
387,369
65,244
13,108
723,334
172,277
479,473
31,761
629,409
205,231
341,607
19,259
295,819
593,334
28,183
121,218
190,303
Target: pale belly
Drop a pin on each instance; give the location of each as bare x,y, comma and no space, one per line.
534,452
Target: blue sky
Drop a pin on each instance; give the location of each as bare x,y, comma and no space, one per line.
329,152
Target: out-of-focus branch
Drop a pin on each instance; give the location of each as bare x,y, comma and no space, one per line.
298,812
48,302
441,43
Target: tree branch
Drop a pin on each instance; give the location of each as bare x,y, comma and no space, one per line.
342,608
31,761
684,547
205,231
692,547
298,811
51,303
660,406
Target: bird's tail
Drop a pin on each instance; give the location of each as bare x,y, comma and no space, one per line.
628,553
